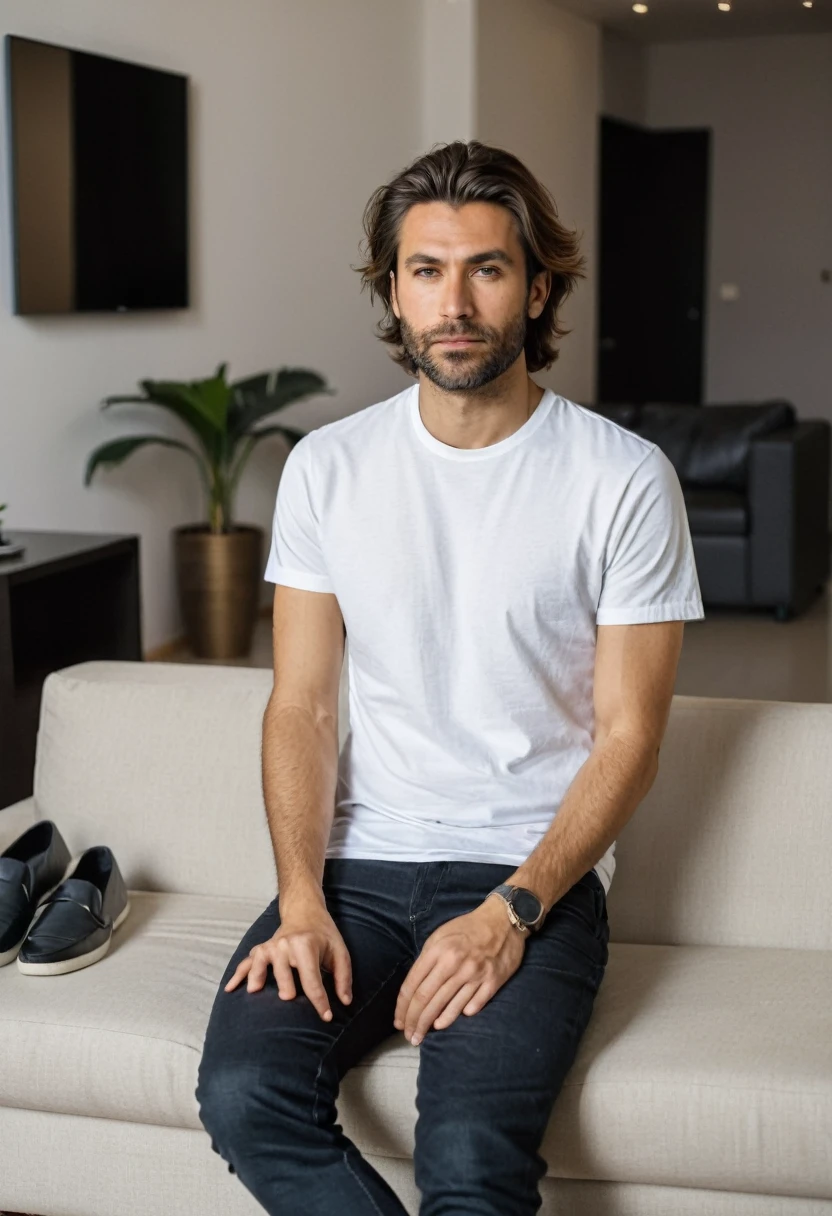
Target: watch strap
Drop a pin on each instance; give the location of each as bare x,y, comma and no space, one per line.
505,890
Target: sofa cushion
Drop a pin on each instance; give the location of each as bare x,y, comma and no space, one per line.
730,845
122,1039
716,512
160,761
685,1047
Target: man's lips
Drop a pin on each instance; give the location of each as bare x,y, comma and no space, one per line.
457,341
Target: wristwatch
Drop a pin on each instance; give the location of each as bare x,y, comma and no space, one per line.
525,909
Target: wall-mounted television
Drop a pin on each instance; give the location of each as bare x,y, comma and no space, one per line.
98,177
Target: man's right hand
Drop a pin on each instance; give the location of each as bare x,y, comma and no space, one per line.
307,939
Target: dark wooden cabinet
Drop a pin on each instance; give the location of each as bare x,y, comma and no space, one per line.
68,597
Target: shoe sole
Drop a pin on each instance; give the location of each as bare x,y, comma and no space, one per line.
8,956
74,964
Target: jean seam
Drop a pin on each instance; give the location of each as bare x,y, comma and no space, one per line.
337,1039
360,1182
414,916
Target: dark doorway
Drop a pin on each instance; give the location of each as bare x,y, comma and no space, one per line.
652,258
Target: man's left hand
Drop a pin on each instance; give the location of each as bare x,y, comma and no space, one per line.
462,964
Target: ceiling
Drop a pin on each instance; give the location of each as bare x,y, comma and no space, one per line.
680,20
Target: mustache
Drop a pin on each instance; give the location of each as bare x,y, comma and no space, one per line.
462,333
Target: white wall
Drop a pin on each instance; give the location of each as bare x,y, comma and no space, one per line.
768,102
298,112
539,95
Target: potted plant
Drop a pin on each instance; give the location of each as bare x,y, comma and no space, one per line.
218,561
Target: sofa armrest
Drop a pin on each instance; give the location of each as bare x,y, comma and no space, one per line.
788,500
15,819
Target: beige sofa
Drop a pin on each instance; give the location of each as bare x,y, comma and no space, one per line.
702,1085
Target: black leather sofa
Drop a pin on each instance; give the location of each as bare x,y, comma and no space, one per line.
756,486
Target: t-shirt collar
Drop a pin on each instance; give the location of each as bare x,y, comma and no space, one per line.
522,433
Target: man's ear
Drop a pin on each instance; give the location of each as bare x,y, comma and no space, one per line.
541,287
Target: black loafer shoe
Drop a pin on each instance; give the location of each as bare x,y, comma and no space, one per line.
74,926
30,868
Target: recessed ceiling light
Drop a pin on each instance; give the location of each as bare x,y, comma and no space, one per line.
639,8
807,3
724,6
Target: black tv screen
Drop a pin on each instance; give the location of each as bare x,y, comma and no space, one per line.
98,151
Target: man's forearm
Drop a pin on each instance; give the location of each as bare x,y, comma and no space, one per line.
603,795
300,772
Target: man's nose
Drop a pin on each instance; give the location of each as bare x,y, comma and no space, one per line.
456,297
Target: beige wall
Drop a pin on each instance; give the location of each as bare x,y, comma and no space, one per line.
449,43
539,94
624,78
299,110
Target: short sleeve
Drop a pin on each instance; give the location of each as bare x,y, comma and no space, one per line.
649,567
295,557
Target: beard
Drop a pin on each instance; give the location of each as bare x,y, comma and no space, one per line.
470,367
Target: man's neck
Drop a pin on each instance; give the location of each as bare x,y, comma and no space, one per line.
476,420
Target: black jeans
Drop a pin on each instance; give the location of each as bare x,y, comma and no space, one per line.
270,1069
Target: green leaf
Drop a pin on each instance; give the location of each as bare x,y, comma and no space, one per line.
212,396
200,404
222,417
257,396
119,449
248,441
170,396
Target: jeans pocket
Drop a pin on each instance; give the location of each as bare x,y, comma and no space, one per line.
602,931
573,928
598,899
582,901
600,895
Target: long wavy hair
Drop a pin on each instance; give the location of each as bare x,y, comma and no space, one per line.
459,173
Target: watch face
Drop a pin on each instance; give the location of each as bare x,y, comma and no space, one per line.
527,906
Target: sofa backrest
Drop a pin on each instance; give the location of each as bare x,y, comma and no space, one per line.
161,761
708,445
731,844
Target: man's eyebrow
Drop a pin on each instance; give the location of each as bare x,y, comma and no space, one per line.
490,255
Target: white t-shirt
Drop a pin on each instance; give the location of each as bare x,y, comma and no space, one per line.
471,581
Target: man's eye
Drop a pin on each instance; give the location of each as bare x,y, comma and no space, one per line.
429,270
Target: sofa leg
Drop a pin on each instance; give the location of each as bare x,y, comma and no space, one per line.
783,612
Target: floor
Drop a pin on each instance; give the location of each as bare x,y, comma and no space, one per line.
729,654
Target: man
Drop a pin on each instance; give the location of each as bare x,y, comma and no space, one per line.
513,572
